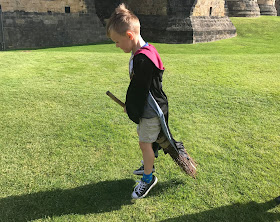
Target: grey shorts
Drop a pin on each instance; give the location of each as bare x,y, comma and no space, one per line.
148,129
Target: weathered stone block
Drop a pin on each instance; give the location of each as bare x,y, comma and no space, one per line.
207,28
243,8
9,22
20,21
267,7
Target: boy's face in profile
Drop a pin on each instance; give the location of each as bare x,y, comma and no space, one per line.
122,41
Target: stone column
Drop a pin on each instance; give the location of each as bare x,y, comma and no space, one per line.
267,7
243,8
277,6
2,37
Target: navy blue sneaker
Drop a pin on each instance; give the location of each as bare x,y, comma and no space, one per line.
140,170
143,188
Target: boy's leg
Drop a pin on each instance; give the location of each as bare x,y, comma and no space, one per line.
148,131
140,170
148,156
148,180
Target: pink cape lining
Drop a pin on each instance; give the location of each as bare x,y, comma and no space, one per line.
151,52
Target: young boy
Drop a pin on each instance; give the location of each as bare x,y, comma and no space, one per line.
146,70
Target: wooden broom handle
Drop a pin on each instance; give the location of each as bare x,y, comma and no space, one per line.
115,99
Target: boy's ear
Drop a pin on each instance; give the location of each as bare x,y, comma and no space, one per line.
130,35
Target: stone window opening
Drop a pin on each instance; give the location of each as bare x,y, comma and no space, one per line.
210,11
67,9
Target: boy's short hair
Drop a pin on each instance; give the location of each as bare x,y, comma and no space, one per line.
123,20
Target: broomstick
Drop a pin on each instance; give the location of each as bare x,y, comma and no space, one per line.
178,154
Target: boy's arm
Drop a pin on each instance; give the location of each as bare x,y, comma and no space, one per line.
139,87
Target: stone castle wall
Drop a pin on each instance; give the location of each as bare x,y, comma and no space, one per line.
57,6
188,21
47,23
209,8
40,30
37,24
148,7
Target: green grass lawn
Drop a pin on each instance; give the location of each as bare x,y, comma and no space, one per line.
68,151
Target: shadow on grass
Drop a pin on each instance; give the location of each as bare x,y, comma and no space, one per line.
61,48
250,212
93,198
101,197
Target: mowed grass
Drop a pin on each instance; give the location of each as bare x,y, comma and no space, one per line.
68,151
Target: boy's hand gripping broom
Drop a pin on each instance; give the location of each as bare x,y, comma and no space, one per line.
177,153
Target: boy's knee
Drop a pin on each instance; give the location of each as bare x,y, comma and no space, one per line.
141,144
144,145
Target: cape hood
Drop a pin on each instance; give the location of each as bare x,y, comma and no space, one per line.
151,52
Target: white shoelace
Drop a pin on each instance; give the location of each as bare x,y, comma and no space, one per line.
140,187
